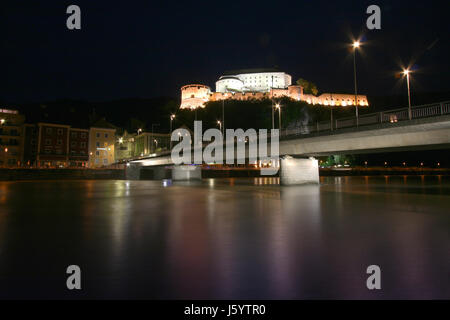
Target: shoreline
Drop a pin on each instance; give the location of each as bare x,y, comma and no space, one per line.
19,174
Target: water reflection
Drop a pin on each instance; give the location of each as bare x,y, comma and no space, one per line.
227,238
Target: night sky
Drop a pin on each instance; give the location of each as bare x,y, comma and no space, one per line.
145,49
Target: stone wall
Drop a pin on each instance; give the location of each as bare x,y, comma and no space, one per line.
60,174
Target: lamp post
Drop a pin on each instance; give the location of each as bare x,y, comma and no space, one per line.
220,124
273,116
406,72
223,117
4,162
279,116
355,45
172,116
154,124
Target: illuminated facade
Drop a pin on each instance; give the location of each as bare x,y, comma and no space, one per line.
102,139
260,84
11,138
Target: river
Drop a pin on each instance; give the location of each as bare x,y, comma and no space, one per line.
226,238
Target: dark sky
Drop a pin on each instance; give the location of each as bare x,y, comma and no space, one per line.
148,49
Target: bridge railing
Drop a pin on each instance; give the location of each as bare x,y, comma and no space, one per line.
390,116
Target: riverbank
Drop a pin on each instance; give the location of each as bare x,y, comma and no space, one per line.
60,174
119,174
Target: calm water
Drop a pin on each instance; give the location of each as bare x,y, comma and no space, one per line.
226,238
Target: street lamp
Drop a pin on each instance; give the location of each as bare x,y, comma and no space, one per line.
172,116
223,116
273,117
406,73
2,121
279,115
220,125
154,124
356,45
139,131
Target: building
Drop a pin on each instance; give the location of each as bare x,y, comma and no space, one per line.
147,143
194,96
78,147
260,84
30,144
253,80
52,145
124,146
102,140
11,138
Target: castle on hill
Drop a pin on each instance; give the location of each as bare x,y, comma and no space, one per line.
260,84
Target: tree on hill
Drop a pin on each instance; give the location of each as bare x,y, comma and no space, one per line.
308,87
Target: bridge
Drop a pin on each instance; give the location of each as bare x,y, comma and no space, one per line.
422,127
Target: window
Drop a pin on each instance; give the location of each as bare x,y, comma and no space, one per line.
60,132
48,130
59,142
48,142
83,135
83,144
97,161
98,134
98,144
73,144
97,153
105,161
106,135
73,134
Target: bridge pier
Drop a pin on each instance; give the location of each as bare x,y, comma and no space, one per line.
298,171
133,171
186,172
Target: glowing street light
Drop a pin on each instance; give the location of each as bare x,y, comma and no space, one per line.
172,116
355,45
406,73
2,121
121,140
279,115
139,131
220,124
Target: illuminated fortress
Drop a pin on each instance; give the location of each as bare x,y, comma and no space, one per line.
259,84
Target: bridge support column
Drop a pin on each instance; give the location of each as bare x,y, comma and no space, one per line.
298,171
133,171
186,172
